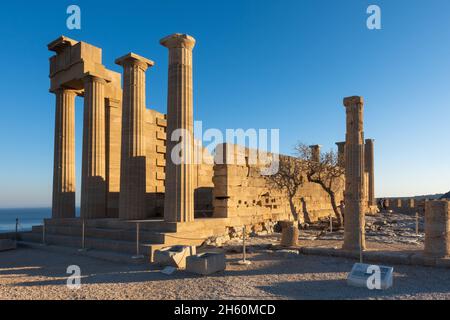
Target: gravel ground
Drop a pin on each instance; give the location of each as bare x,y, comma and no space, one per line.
37,274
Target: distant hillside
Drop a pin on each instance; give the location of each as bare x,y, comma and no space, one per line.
446,196
425,196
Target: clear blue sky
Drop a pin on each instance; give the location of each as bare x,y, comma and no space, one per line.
257,64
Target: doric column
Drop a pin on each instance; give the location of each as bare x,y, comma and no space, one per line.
63,199
133,174
93,179
369,166
341,153
315,152
355,202
179,188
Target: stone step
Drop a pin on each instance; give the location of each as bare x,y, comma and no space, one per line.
92,253
151,225
111,234
94,243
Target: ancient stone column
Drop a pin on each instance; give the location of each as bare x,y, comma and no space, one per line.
63,199
132,167
179,188
354,197
437,228
315,152
341,153
93,177
369,167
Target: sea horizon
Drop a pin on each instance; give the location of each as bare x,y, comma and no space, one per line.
27,217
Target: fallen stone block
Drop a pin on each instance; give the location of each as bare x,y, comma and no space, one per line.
7,244
206,263
174,256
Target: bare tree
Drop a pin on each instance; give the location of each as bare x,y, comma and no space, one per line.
289,178
325,172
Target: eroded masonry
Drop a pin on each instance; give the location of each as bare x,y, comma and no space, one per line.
127,173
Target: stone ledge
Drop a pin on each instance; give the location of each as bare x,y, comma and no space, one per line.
91,253
385,257
7,244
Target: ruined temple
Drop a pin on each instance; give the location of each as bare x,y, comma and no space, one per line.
128,180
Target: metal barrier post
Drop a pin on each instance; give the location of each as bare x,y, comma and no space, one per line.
331,222
417,223
43,234
16,236
244,260
138,254
83,235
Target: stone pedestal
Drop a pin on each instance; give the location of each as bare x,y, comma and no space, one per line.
437,228
63,199
179,188
369,167
93,177
354,196
133,174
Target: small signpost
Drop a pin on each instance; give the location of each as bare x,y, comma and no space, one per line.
371,276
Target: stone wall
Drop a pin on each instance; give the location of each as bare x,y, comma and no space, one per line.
240,191
406,205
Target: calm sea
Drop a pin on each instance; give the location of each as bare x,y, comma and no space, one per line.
27,218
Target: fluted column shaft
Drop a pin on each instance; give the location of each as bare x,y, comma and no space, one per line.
369,166
179,188
133,173
63,198
341,153
315,152
93,180
355,200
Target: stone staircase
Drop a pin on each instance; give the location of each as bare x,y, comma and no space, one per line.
120,236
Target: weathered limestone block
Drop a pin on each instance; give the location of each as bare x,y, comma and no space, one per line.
174,256
7,244
206,263
289,235
437,228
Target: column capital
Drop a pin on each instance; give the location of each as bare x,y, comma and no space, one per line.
370,140
89,77
315,146
350,101
134,59
340,143
66,91
178,40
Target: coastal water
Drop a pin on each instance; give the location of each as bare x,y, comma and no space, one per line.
27,218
